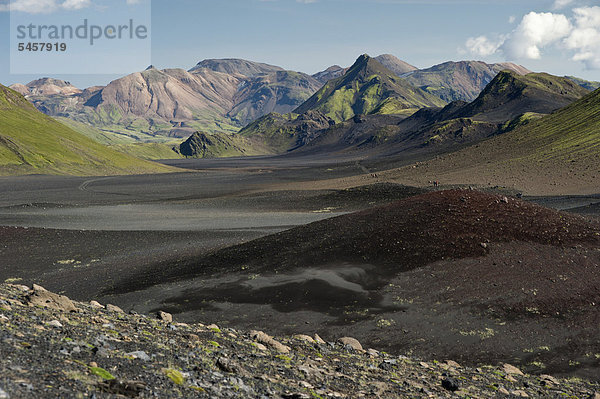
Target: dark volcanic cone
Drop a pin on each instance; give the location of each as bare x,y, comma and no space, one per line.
398,237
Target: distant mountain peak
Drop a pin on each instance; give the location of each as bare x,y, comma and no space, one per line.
236,66
363,88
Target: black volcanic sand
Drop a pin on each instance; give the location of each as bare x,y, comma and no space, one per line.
409,278
458,274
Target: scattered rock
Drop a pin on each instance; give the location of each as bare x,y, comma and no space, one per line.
46,299
305,338
519,394
96,305
164,316
595,395
3,394
503,391
352,342
549,379
373,353
511,370
319,340
452,363
4,319
450,384
55,324
266,339
229,366
484,245
114,308
260,346
139,355
504,200
130,389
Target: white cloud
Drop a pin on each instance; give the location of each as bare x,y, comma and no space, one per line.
76,4
48,6
512,19
558,4
579,34
585,37
482,46
31,6
536,31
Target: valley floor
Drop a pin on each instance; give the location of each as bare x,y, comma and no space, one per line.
88,237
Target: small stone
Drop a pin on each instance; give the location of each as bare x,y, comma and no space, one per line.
595,395
511,370
452,363
504,200
114,309
424,365
260,346
213,327
483,245
319,340
352,342
373,353
266,339
229,366
192,337
4,319
139,355
46,299
450,384
549,379
93,364
96,305
520,394
305,338
55,324
4,394
503,391
164,316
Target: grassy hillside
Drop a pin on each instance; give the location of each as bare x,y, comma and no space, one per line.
510,95
363,89
559,153
31,142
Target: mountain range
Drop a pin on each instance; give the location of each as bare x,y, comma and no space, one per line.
507,102
148,113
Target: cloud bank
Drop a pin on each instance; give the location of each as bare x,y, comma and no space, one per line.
48,6
579,34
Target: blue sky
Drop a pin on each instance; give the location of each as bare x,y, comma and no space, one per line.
309,36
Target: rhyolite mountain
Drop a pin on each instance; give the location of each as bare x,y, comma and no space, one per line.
175,103
234,66
280,92
34,143
365,87
395,64
464,80
46,87
333,72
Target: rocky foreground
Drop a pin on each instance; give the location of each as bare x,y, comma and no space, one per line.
54,347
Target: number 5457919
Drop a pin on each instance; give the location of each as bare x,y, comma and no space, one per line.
40,47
